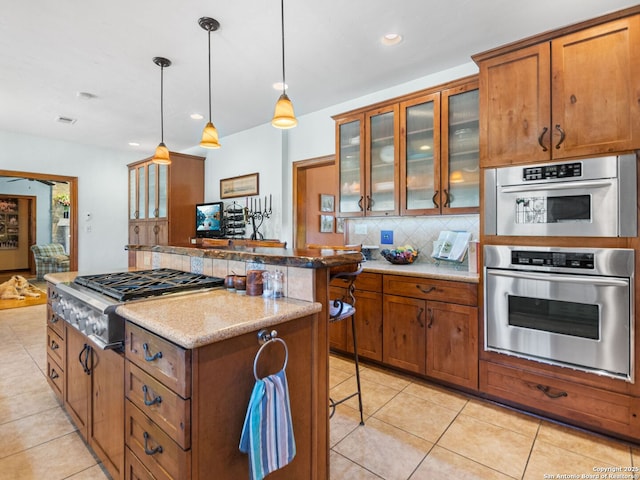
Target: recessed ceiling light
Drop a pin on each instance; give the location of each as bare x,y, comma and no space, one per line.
85,95
196,116
391,39
278,86
134,144
66,120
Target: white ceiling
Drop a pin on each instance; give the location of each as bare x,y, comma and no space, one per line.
50,50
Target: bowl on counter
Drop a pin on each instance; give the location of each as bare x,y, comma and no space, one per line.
400,256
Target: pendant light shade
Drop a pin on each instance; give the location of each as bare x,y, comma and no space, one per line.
283,116
209,134
161,156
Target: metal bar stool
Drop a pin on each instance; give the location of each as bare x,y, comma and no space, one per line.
343,308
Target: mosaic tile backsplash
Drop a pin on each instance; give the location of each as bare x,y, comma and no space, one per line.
419,232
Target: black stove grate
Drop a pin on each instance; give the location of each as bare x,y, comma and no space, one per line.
125,286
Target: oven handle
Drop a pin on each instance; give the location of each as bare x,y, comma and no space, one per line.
547,277
557,186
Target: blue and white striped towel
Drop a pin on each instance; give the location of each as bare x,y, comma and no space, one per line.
267,434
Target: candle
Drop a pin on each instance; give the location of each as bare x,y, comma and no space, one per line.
246,202
269,202
259,204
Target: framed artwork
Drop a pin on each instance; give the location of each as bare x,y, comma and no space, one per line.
327,202
326,223
242,186
339,225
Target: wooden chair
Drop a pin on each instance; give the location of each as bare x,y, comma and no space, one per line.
343,308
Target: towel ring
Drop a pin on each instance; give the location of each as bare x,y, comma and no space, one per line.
272,338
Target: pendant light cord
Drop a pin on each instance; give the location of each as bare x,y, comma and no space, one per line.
209,35
282,23
162,103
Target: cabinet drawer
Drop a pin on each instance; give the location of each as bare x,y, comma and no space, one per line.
164,407
371,282
55,377
428,289
135,470
590,406
55,346
55,322
162,456
160,358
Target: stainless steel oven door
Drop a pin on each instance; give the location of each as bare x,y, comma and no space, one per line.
577,321
588,208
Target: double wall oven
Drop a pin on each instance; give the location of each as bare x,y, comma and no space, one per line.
571,306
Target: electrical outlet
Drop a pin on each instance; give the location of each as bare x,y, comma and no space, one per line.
386,237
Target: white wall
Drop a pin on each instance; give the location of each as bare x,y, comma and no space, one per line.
102,173
102,191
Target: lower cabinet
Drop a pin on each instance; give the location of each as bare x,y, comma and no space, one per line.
582,404
94,397
368,318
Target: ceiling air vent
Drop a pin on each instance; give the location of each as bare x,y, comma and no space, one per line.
65,120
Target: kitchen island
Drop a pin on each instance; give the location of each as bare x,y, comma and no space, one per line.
187,369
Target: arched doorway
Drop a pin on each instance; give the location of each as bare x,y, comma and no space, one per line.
63,196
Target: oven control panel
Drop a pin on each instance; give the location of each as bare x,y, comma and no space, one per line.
550,172
576,260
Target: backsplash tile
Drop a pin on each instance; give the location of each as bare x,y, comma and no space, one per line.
419,232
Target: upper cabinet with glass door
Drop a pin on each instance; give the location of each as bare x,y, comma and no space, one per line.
460,174
420,154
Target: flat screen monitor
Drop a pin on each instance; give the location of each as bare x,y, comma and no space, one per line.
209,220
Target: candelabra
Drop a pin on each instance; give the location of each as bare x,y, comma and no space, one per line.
256,215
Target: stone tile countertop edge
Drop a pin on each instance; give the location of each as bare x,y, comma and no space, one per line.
423,270
199,319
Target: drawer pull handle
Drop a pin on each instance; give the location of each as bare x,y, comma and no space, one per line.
54,345
562,136
53,319
150,358
545,390
153,401
419,317
428,290
544,130
153,451
53,375
430,318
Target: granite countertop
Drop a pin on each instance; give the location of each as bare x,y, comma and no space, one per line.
198,319
303,258
424,270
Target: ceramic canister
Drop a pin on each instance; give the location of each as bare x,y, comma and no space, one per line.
254,282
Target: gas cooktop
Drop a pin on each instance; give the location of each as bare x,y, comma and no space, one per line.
124,286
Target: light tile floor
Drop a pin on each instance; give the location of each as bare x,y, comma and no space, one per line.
413,430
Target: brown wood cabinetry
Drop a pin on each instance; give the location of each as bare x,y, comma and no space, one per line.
431,328
585,405
56,348
577,94
162,200
412,155
94,394
368,318
195,428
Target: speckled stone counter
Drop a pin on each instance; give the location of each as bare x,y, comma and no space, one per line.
424,270
199,319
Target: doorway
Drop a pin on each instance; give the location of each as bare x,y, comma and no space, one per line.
56,213
312,179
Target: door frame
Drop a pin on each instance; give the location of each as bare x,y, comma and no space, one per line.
73,217
299,194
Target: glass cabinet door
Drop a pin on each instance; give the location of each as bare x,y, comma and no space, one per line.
163,187
133,190
420,168
461,151
382,165
350,164
153,189
142,192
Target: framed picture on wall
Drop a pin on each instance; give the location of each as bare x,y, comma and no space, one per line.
326,223
243,186
327,202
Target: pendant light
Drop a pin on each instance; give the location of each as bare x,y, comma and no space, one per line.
209,134
283,116
162,152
